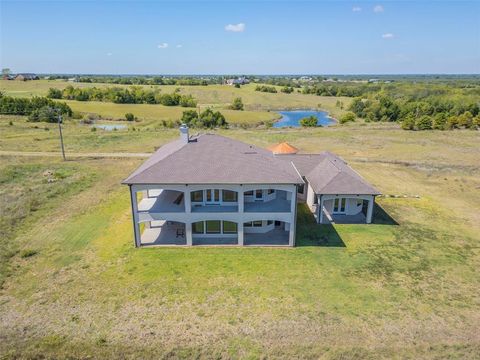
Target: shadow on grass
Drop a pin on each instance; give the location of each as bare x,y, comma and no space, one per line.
381,217
309,233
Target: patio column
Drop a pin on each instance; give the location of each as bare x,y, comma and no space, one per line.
320,210
188,233
371,202
187,200
293,208
240,233
136,226
241,201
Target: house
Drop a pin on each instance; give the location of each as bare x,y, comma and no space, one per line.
26,76
213,190
237,81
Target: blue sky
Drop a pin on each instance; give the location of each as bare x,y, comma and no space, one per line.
294,37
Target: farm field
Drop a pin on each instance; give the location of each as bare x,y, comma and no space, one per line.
259,107
406,286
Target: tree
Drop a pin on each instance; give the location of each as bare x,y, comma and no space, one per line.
6,72
408,122
310,121
423,123
347,117
130,117
287,89
439,121
237,104
54,93
189,117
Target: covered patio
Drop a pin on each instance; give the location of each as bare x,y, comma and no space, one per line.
163,233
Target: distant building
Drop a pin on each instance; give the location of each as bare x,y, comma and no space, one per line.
239,81
26,76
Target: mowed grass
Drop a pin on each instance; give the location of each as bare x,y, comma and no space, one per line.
403,287
259,107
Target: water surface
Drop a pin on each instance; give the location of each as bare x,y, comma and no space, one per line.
292,118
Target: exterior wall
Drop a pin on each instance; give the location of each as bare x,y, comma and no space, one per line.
188,217
310,196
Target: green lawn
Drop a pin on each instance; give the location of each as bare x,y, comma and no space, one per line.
76,287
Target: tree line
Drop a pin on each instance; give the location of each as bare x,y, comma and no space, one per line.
428,113
36,108
119,95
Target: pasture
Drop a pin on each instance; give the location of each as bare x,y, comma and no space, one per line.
259,107
405,286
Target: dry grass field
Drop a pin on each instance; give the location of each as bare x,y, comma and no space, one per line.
405,286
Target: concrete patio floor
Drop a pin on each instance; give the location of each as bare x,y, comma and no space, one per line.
273,237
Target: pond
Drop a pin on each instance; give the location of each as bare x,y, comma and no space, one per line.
110,127
292,118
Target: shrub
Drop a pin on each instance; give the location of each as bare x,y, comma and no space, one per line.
130,117
408,122
423,123
439,121
310,121
237,104
54,93
287,89
28,253
264,88
347,117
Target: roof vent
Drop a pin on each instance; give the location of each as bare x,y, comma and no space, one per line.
184,133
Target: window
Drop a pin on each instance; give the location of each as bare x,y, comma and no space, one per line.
257,223
212,196
229,196
258,194
229,227
249,193
270,191
197,196
213,226
339,205
198,227
247,224
269,222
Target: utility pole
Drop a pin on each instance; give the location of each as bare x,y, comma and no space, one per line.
61,136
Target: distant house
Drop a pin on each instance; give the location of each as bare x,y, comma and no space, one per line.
237,81
7,77
213,190
26,77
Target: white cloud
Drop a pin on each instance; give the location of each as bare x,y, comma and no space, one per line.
109,54
378,8
162,46
179,46
356,9
240,27
388,36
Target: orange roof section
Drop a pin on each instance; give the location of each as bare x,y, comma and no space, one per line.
283,148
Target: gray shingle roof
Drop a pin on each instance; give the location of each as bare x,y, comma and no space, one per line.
213,159
330,174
